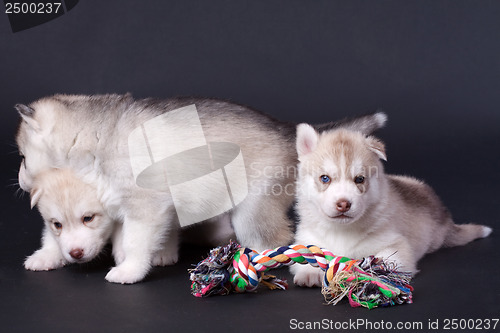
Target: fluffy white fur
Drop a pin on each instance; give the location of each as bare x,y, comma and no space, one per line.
394,217
88,134
75,220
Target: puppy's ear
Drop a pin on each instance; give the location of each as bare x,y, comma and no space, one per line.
307,139
28,115
377,147
36,193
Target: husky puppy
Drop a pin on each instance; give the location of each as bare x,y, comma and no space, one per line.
348,205
76,224
88,134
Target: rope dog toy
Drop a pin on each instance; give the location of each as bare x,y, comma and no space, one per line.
369,282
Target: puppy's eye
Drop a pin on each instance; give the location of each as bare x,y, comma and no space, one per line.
359,179
87,219
324,179
58,225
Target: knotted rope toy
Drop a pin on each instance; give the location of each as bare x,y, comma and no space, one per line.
369,282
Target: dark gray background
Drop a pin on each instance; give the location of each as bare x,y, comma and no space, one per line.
433,66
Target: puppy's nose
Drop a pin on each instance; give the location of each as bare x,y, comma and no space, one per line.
76,253
343,205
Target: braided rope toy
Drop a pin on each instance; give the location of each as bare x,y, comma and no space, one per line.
369,282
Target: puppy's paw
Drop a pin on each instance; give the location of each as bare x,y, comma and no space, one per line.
44,260
165,258
126,273
308,276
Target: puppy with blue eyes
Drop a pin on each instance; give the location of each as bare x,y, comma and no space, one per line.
76,225
348,205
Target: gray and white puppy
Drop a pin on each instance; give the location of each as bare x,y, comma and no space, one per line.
88,134
347,204
76,227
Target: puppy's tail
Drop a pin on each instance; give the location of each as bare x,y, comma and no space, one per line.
461,234
366,124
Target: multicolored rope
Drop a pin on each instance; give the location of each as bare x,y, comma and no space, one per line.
369,282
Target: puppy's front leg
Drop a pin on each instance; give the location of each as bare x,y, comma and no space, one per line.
168,254
117,242
402,255
48,257
142,237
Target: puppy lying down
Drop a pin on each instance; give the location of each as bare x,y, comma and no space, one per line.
348,205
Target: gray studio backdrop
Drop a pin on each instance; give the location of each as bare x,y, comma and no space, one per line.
433,66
